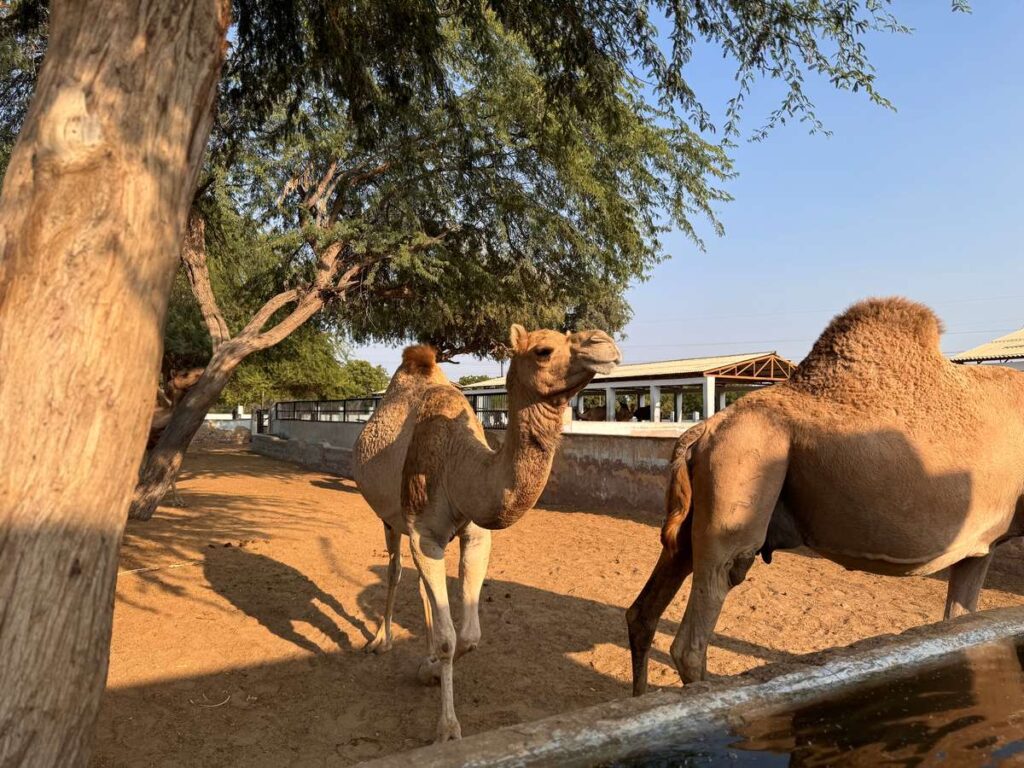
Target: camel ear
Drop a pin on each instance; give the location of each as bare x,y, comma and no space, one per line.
518,338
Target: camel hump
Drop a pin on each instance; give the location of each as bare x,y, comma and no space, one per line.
880,321
420,359
886,334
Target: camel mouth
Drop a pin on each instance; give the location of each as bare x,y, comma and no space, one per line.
605,367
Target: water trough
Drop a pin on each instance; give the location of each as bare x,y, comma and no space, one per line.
701,725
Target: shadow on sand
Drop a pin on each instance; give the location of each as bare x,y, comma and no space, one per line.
334,703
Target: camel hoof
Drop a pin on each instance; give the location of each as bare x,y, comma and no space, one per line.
448,731
429,673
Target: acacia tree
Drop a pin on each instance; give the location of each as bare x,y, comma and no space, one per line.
464,209
101,178
91,216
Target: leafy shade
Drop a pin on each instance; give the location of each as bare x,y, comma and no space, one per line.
244,273
481,209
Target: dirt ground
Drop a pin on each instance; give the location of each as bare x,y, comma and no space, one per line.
240,620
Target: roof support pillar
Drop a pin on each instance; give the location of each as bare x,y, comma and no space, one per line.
655,398
609,404
709,396
677,410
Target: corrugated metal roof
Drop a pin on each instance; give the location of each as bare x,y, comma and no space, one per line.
690,366
1010,346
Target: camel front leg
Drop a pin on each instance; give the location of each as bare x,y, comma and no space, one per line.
966,579
474,554
429,558
381,642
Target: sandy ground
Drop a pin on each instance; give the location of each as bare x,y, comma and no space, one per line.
240,620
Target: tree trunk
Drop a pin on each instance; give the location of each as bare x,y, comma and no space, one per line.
163,462
92,214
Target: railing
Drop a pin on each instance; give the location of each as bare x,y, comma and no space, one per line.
492,419
356,409
360,409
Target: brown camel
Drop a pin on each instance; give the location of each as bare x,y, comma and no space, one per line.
598,413
423,463
878,454
178,383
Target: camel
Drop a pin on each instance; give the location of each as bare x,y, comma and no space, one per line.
423,464
598,413
878,454
178,383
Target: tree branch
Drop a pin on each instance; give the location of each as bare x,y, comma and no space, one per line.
267,311
193,257
326,283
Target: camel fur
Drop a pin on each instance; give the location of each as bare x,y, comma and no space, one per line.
424,465
879,454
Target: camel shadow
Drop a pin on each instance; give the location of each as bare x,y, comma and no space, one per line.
277,595
543,652
335,484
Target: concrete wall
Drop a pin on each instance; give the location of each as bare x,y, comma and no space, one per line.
322,457
228,424
337,433
613,472
610,472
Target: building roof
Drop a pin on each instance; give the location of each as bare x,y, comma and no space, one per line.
760,366
1008,347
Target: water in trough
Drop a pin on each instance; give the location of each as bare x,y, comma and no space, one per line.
966,710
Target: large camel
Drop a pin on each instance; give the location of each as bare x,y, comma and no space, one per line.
423,463
878,454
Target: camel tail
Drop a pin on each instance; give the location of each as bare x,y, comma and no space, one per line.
420,359
677,505
680,491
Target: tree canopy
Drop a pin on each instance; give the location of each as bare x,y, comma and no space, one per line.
477,164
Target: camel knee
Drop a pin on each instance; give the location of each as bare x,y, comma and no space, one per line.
469,636
640,628
444,643
689,661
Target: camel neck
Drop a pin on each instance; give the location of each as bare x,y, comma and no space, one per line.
524,459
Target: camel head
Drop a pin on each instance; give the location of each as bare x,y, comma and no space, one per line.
553,367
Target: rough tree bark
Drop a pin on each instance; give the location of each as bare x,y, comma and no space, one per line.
163,462
92,212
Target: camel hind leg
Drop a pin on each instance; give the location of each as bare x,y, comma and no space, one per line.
737,484
644,614
966,579
381,643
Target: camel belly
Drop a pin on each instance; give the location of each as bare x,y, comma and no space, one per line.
869,502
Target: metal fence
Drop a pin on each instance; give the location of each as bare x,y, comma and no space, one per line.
360,409
357,409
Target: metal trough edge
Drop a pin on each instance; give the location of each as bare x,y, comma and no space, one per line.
619,728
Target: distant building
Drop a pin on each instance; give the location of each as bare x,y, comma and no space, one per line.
643,386
1007,350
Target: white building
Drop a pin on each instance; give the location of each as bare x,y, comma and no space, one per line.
642,389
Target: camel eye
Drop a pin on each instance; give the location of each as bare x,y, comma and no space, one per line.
543,353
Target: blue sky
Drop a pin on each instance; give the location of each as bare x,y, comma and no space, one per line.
925,202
